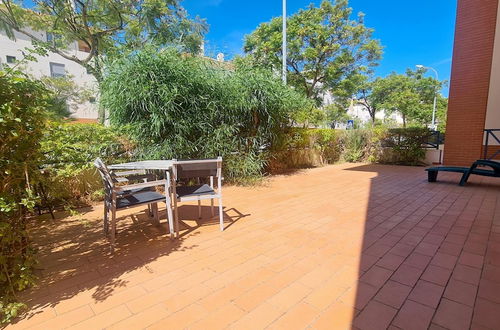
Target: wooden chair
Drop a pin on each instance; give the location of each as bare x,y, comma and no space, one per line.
196,169
120,197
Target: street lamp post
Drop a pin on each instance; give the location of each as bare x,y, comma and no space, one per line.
283,74
433,126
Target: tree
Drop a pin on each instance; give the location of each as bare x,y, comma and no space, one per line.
326,48
365,97
105,27
410,94
336,115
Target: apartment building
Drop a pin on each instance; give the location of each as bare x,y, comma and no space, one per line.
53,65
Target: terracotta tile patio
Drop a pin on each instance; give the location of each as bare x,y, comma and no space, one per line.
345,246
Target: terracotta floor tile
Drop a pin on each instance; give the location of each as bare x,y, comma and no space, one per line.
472,260
390,261
67,319
142,319
402,250
427,249
426,293
181,319
337,316
453,315
259,318
289,296
220,318
297,317
417,260
489,290
376,234
358,296
251,299
407,275
393,294
466,274
451,248
444,260
437,275
326,294
104,319
375,316
491,273
413,316
461,292
486,313
376,276
434,326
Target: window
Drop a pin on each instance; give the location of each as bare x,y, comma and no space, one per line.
57,70
11,59
52,38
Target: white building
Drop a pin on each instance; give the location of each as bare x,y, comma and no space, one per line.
52,65
359,113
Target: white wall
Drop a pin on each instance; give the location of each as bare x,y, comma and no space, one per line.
42,68
493,107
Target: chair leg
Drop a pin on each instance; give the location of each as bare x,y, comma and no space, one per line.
156,217
464,179
151,211
432,176
221,215
176,216
212,207
113,228
106,220
199,209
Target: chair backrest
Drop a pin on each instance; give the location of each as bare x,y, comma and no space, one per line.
107,179
197,168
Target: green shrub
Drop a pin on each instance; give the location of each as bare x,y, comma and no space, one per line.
355,144
406,144
190,107
23,104
69,150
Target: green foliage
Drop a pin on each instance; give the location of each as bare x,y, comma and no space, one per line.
106,28
406,144
354,143
327,49
410,94
305,147
336,114
22,120
189,107
69,150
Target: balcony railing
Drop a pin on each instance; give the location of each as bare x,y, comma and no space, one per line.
491,135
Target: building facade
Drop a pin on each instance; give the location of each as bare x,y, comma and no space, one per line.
52,65
474,99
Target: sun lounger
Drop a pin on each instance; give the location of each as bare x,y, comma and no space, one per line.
466,171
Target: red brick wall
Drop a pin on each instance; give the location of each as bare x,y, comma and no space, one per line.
470,78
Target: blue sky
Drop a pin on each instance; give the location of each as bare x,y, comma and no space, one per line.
412,32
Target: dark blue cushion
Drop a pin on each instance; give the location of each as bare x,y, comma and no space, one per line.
139,198
185,191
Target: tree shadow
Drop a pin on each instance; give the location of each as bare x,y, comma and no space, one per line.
74,254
